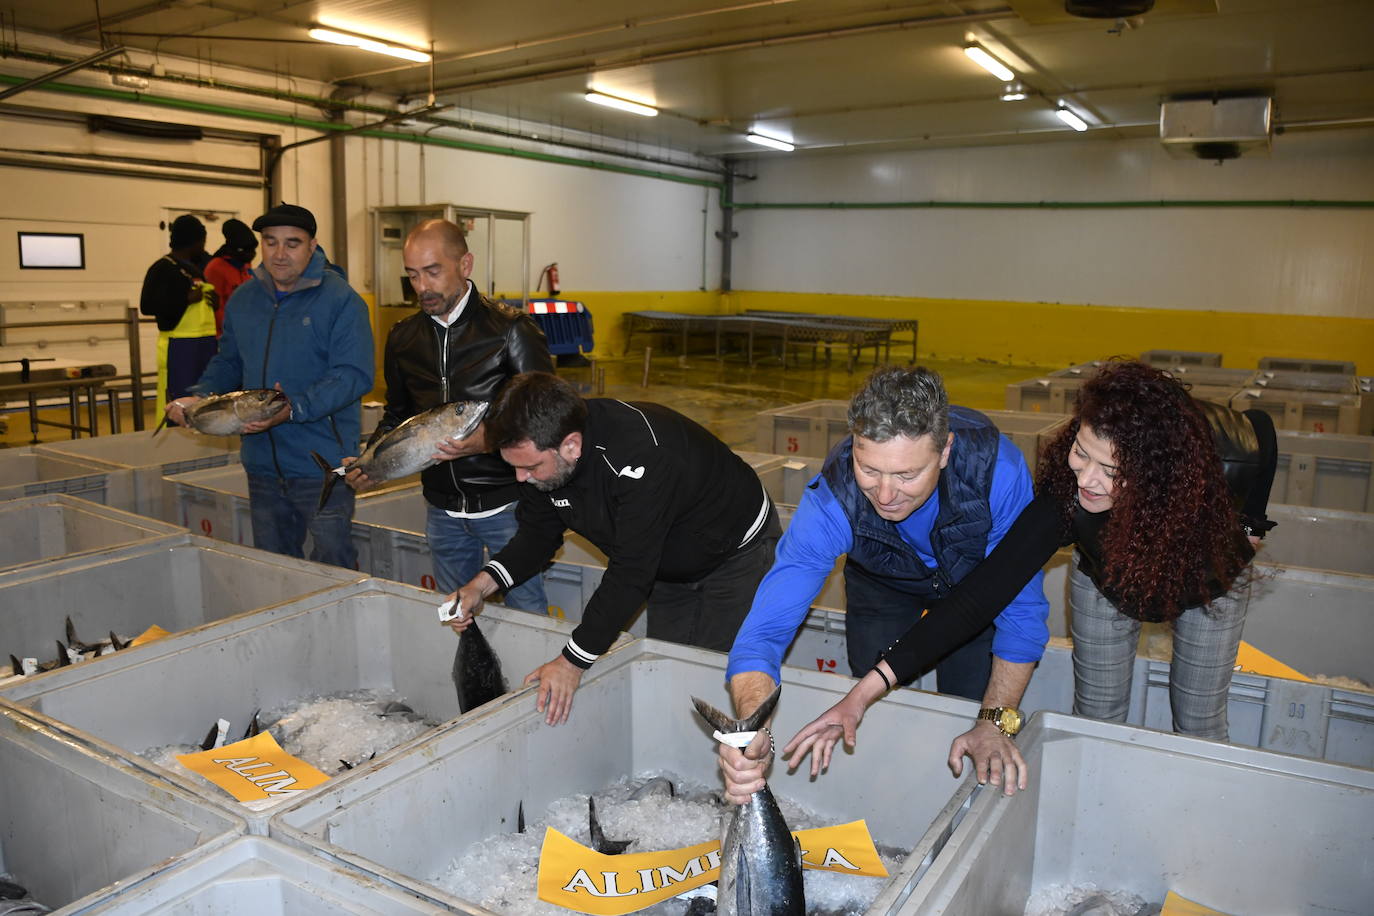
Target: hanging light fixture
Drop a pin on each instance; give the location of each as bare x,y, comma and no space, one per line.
1071,119
611,101
363,42
770,142
980,56
1014,92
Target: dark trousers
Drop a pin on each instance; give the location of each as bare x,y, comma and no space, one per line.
708,612
876,615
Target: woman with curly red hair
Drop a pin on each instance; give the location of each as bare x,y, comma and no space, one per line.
1165,498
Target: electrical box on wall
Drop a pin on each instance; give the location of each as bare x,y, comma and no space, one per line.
1217,127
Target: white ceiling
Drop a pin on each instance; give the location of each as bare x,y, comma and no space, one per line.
844,74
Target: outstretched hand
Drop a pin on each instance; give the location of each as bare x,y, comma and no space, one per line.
818,739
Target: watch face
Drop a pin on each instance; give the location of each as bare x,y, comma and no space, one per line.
1009,720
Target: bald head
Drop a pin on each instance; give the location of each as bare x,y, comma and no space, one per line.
445,233
438,263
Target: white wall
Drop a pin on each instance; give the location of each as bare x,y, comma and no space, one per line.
607,231
1294,261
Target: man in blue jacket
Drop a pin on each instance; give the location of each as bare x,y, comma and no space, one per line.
298,327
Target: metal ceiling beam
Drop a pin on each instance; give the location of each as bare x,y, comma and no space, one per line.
60,72
621,63
133,12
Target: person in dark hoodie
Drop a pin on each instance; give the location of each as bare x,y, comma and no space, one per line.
176,293
231,265
297,327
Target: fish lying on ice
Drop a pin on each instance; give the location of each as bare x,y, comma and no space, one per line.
409,448
760,861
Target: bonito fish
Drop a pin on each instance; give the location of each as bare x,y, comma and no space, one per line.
760,863
227,414
409,448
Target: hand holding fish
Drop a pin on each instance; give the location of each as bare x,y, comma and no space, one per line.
281,416
558,681
354,477
995,757
469,600
744,769
176,410
475,443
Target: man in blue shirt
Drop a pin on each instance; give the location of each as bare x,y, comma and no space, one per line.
914,499
298,327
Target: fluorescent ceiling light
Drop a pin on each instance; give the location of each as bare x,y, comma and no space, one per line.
1014,92
375,45
611,101
770,142
1071,119
989,63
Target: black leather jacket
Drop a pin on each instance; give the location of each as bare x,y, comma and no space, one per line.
427,365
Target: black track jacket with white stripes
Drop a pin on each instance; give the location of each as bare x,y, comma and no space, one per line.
657,493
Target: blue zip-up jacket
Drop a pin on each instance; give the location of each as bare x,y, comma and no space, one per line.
821,532
317,342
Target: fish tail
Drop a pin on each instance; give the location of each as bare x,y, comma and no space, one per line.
329,477
161,423
726,725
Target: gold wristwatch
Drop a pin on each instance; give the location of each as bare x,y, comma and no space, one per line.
1008,719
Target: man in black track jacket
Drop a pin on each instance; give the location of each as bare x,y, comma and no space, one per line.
460,346
684,522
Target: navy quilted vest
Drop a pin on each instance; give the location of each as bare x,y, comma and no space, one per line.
960,538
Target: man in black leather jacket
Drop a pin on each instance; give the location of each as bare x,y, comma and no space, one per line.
460,346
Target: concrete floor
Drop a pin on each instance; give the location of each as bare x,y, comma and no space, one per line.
723,395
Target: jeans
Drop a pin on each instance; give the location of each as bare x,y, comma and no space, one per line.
1205,646
877,614
709,612
283,510
455,546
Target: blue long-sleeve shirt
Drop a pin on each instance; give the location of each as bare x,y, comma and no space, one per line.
820,533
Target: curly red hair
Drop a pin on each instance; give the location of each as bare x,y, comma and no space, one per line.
1173,528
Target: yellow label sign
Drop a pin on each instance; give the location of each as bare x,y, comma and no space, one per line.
582,879
254,769
1252,661
148,635
1174,905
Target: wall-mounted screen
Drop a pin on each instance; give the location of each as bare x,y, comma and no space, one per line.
52,251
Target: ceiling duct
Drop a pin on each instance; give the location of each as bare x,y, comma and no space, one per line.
1108,9
1054,12
1216,127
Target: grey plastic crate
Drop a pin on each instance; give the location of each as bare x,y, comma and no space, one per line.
1240,830
214,502
1320,539
375,635
1167,359
1322,382
1029,431
634,716
27,471
1213,375
1321,623
76,825
40,528
1325,471
257,875
807,430
1302,364
178,582
146,459
1307,411
389,530
1047,394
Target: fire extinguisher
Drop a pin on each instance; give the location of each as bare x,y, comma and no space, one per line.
552,273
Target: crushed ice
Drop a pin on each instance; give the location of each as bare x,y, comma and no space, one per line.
499,872
330,733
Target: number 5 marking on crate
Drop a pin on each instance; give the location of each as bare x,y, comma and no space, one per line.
792,444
